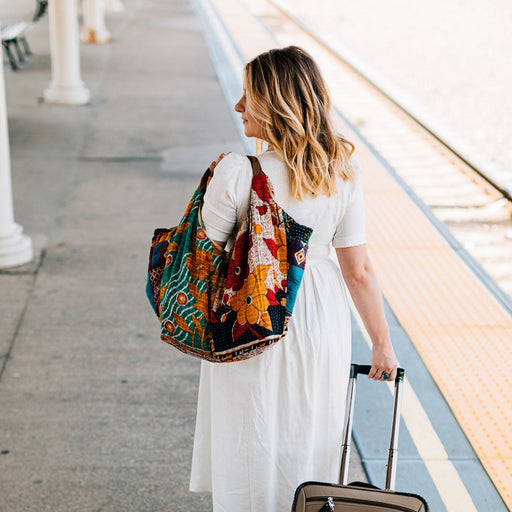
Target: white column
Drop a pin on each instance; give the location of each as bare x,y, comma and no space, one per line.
114,6
66,85
94,29
15,247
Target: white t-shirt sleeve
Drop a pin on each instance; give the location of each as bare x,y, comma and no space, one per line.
351,229
227,197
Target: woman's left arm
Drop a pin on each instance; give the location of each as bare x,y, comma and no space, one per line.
365,291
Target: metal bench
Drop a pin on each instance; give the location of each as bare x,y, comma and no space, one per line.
14,34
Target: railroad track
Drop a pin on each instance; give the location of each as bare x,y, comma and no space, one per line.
474,203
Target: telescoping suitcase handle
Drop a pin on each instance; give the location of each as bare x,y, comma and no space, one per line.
355,370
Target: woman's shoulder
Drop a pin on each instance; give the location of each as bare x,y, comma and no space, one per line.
233,162
355,171
231,176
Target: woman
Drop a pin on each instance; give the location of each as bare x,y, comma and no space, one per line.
267,424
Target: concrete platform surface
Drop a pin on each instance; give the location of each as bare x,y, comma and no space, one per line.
96,414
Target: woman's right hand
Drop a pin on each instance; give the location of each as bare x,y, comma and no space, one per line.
383,362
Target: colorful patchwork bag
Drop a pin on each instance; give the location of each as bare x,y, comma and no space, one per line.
223,306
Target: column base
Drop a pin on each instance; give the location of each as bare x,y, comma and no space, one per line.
15,248
67,95
95,36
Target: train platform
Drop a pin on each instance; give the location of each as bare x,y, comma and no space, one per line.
95,412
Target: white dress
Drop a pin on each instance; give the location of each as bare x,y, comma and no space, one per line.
269,423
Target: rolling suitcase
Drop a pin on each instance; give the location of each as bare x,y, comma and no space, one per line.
357,496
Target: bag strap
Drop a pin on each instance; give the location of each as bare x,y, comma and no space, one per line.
204,179
256,171
256,166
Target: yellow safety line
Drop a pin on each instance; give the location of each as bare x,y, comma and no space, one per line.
450,486
461,332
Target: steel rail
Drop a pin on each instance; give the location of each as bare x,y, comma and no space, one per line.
379,84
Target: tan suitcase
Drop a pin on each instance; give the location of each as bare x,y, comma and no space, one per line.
360,497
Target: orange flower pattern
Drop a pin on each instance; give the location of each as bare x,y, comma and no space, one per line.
251,301
200,264
252,311
184,269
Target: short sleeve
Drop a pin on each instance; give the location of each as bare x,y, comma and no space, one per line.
226,196
351,230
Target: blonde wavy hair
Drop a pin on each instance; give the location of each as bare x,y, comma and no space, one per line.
289,99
